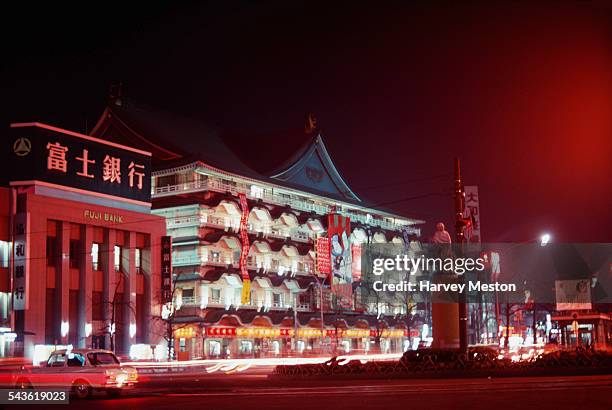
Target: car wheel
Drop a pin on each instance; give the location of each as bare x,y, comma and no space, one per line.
113,392
81,389
23,384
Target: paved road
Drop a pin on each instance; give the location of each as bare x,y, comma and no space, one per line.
254,391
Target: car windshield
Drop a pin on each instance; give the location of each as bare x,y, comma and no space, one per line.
102,359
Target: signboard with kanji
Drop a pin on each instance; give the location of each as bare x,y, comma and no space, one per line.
245,298
37,152
21,258
166,269
323,255
472,210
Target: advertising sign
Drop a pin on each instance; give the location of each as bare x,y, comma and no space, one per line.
323,255
48,154
244,254
21,256
339,231
472,210
573,294
166,269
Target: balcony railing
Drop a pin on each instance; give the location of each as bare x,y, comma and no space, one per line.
269,196
189,300
186,261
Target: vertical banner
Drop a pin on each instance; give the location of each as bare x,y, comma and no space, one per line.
244,254
472,210
322,252
166,269
356,263
339,231
21,261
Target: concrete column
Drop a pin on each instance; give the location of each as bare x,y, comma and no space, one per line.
110,279
62,283
84,329
128,267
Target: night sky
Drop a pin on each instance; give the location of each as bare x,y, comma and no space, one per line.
521,93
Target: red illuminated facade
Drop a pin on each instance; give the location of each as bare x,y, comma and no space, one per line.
81,249
252,253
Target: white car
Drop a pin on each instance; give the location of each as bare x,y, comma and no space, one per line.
81,371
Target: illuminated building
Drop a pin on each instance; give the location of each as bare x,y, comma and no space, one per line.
80,247
217,209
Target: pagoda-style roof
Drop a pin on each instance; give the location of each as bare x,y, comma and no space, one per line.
312,168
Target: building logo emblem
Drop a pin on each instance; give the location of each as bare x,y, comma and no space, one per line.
315,175
22,147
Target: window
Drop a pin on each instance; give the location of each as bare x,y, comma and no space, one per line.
102,359
215,295
138,259
57,360
215,256
256,191
75,254
51,251
75,360
166,180
4,254
97,305
117,255
95,256
277,300
188,296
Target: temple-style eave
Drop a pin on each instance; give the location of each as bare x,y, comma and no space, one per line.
362,208
318,146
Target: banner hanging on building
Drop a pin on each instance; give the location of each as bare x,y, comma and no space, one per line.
244,254
339,231
166,269
322,252
21,261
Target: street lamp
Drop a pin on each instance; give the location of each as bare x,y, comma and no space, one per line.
545,239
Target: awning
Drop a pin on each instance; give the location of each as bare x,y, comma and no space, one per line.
292,285
233,280
263,282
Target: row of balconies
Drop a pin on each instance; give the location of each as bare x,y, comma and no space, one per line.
302,267
268,196
220,302
226,224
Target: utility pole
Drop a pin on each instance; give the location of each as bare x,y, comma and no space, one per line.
459,237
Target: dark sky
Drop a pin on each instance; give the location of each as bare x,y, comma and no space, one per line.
522,93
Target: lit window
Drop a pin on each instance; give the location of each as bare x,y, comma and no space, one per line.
4,254
95,256
256,191
117,255
137,255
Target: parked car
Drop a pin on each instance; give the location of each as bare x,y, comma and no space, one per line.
82,371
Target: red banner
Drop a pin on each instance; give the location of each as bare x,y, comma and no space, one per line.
323,255
244,254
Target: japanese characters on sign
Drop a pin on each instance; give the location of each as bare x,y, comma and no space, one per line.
76,161
323,255
472,210
166,269
21,257
244,254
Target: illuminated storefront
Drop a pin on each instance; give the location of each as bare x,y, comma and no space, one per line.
80,247
252,252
